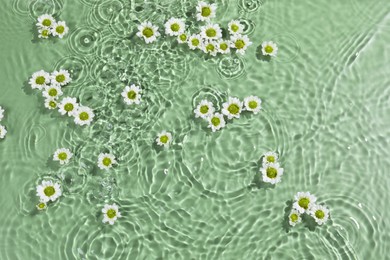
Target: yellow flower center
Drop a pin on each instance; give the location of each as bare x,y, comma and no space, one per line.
211,32
62,156
60,29
148,32
84,116
234,27
49,191
40,80
131,94
107,161
215,121
272,172
294,217
53,92
195,42
304,203
68,107
206,11
320,214
164,139
252,104
204,109
240,44
270,158
223,46
175,27
233,109
111,213
268,49
183,37
60,78
46,22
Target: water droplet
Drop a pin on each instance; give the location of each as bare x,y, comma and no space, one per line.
165,171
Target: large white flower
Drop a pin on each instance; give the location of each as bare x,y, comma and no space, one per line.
62,155
269,49
68,105
148,32
303,201
164,139
51,103
235,27
211,31
253,104
175,27
106,161
110,213
216,122
205,11
223,46
83,116
46,21
294,217
39,80
44,33
272,173
232,108
210,47
3,131
182,38
204,109
49,191
195,41
270,157
319,213
1,113
61,77
53,91
59,29
240,43
132,94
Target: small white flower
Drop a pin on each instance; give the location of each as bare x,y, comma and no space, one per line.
68,105
294,217
51,103
269,48
211,31
216,122
303,201
41,206
61,77
3,131
46,21
272,173
44,33
59,29
182,38
164,139
210,47
132,94
48,191
235,27
110,213
240,43
204,109
205,11
232,108
270,157
106,161
53,91
253,104
39,80
319,213
223,46
62,155
83,116
175,27
148,32
195,41
1,113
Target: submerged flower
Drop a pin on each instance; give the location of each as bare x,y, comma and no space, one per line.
59,29
223,46
62,155
232,108
210,47
106,161
39,80
253,104
269,49
148,32
182,38
195,41
110,213
216,122
68,105
44,33
41,205
235,27
1,113
270,157
132,94
240,43
83,116
164,139
303,201
53,91
51,103
45,21
205,11
61,77
204,110
319,213
3,131
294,217
175,27
272,173
211,32
49,191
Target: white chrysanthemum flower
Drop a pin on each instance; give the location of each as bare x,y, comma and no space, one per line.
319,213
195,41
61,77
148,32
211,32
253,104
132,94
240,43
39,80
62,155
164,139
53,91
46,21
205,11
270,157
41,205
303,201
216,122
175,27
68,105
49,191
51,103
83,116
272,173
210,47
294,217
3,131
106,161
204,109
182,38
110,213
223,46
1,113
235,27
44,33
269,49
59,29
232,108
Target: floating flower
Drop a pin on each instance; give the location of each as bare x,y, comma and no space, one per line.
195,41
132,94
240,43
270,157
319,213
269,49
1,113
39,80
272,173
235,27
211,32
182,38
53,91
61,77
110,213
216,122
46,21
164,139
59,29
83,116
49,191
303,201
3,131
44,33
51,103
223,46
253,104
294,217
204,109
63,155
232,108
148,32
106,161
205,11
210,47
41,205
175,27
68,105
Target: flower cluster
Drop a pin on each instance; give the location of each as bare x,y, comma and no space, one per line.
230,109
304,202
271,171
47,26
51,87
47,191
3,131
